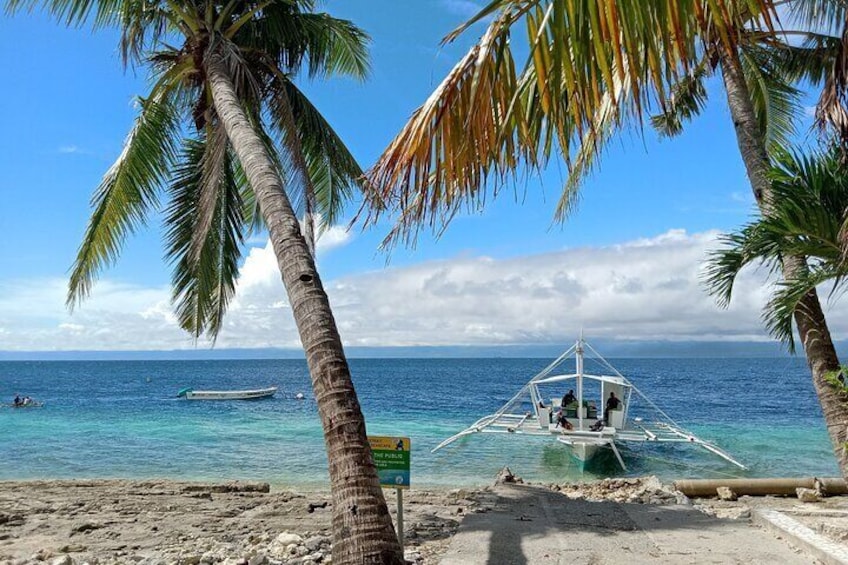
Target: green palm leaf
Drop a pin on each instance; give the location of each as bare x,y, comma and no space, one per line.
127,194
776,102
686,101
810,200
333,170
204,239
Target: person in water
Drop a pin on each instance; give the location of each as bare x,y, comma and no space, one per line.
612,404
568,398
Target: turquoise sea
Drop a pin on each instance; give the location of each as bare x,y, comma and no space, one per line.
122,419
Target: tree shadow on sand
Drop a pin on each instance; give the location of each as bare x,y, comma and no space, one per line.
522,524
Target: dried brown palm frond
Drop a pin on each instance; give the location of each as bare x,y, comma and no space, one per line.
591,62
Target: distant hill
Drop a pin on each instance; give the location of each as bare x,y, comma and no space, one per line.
608,348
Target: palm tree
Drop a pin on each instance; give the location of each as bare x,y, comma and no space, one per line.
808,219
596,67
252,134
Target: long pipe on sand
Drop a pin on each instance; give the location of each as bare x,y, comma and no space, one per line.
760,487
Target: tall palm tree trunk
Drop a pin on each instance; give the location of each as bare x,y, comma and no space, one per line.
362,527
809,317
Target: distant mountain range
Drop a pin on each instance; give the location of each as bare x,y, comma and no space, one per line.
608,348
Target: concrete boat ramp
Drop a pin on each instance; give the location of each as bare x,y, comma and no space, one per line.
533,525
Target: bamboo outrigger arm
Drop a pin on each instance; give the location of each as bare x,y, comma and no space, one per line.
706,445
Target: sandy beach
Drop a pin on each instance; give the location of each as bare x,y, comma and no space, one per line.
166,522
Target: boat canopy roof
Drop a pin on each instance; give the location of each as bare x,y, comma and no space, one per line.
618,380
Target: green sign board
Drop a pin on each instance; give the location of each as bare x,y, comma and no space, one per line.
391,457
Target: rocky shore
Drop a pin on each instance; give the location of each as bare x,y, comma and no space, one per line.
159,522
163,522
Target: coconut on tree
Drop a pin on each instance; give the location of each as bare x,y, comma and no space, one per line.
229,140
596,67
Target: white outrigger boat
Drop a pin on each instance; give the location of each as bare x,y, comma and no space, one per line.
191,394
587,430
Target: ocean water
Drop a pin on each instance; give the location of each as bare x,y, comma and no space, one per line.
121,419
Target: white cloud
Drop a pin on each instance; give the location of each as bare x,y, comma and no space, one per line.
644,289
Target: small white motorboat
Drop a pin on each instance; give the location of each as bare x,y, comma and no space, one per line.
255,394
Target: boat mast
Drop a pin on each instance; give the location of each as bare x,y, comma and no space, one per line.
578,356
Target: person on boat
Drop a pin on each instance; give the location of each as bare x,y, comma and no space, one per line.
17,401
597,426
562,421
27,401
612,404
568,398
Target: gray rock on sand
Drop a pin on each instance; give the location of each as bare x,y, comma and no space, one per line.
724,493
63,560
287,538
315,543
808,495
412,556
260,559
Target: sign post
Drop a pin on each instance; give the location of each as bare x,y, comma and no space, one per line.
391,457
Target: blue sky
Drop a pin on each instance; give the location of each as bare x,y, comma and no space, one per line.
68,107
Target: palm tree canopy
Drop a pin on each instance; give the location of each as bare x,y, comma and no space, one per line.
594,66
178,147
808,219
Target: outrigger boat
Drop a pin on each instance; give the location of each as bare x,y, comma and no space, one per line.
31,404
636,419
191,394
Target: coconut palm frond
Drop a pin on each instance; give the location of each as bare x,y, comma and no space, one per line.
213,168
787,300
462,138
205,235
75,12
812,195
332,168
687,99
325,45
607,123
479,127
776,102
829,17
290,151
751,245
334,46
253,219
810,199
821,15
142,23
127,194
808,61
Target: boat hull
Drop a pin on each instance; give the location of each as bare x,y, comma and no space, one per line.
230,394
584,452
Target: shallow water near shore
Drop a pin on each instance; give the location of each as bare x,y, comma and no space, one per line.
122,419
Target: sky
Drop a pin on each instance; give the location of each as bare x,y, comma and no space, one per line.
626,266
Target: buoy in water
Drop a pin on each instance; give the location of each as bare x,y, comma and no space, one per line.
299,396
